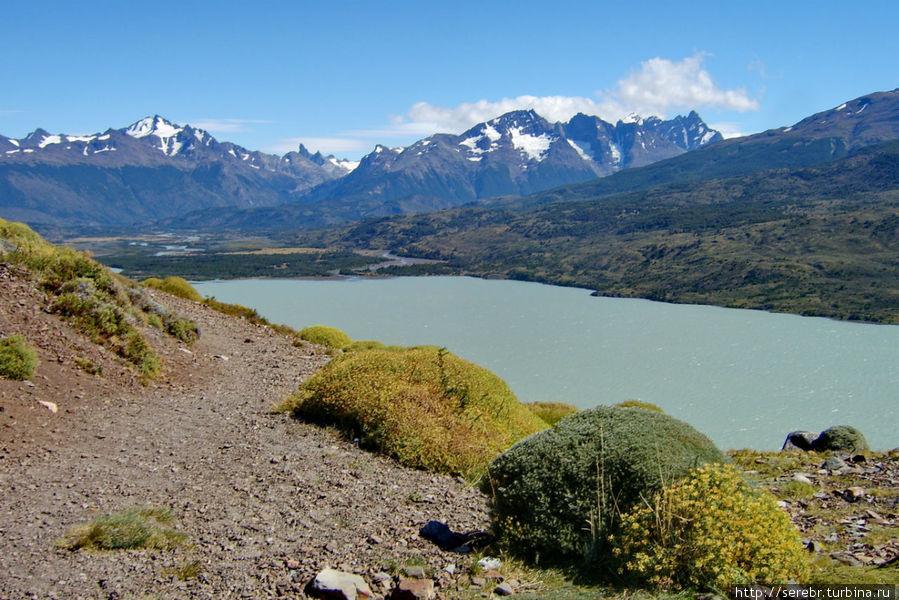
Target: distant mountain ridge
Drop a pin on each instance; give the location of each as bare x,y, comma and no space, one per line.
517,153
157,173
824,136
149,170
157,170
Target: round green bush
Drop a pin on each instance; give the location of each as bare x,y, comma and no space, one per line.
558,494
841,438
18,359
330,337
551,412
711,530
427,409
176,286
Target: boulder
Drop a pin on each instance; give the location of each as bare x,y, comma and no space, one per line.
840,438
799,440
408,588
332,584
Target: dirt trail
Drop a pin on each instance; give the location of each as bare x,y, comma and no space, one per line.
265,501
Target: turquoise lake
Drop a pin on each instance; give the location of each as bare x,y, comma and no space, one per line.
744,378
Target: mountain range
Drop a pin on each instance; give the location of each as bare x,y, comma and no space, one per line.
152,169
155,170
156,173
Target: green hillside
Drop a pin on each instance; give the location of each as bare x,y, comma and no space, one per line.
818,241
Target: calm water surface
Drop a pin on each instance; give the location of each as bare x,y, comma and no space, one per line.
744,378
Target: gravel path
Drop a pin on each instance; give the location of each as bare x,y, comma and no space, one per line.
265,501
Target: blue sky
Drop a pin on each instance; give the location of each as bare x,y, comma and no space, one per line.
342,77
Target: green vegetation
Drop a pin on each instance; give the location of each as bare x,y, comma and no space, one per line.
131,528
558,495
841,438
551,412
176,286
639,404
186,330
822,512
189,570
110,309
363,345
816,241
428,409
330,337
18,358
88,366
710,530
236,265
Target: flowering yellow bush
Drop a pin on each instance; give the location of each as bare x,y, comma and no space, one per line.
710,530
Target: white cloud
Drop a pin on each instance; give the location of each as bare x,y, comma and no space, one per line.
728,129
660,87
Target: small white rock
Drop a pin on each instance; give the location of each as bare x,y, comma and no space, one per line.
51,406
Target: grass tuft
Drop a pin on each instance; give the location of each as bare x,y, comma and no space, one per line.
18,359
127,529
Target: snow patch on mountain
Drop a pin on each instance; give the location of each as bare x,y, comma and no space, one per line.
50,139
347,165
581,152
535,146
616,153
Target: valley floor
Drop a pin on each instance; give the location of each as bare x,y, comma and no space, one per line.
265,501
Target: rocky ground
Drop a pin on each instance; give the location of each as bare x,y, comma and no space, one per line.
265,501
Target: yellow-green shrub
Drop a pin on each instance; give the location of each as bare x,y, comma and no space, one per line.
176,286
17,358
107,307
710,530
551,412
365,345
428,409
331,337
639,404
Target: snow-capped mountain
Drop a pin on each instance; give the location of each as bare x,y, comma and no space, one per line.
517,153
156,169
155,140
151,169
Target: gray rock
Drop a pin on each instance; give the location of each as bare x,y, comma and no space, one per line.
799,440
846,558
802,478
504,589
337,585
415,572
835,463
